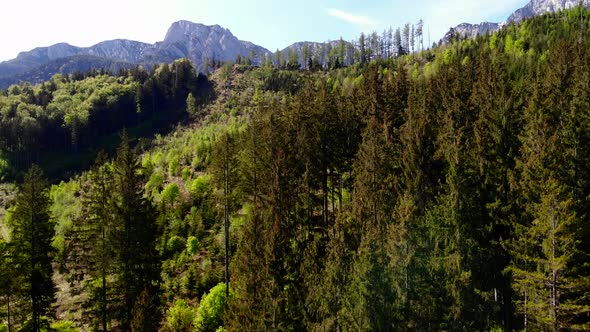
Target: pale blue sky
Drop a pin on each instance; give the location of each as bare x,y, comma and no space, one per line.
25,24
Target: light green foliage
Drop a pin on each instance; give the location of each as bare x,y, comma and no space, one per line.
211,312
155,182
4,168
494,41
466,61
173,166
172,153
416,72
146,162
192,245
186,173
191,105
6,196
180,317
63,326
358,81
89,94
448,56
239,219
428,70
65,209
511,46
158,158
171,193
519,46
200,186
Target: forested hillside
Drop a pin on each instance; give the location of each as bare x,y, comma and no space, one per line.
61,123
446,189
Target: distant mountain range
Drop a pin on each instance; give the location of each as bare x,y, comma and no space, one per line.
533,8
184,39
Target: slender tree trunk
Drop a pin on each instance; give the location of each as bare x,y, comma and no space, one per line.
8,312
325,192
526,291
104,286
553,275
333,198
226,216
34,295
104,304
340,193
127,278
407,286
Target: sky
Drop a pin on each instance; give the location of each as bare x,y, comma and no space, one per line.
274,24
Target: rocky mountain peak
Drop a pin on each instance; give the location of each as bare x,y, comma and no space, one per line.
539,7
184,30
199,42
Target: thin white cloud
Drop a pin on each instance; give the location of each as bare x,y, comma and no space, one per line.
360,20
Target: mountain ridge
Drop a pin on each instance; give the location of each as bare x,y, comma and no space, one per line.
184,39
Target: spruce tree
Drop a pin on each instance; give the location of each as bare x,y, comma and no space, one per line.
96,242
543,259
32,233
138,260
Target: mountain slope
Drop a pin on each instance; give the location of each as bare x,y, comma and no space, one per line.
66,65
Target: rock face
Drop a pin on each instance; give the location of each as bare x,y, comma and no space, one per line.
184,39
199,42
533,8
118,49
467,30
538,7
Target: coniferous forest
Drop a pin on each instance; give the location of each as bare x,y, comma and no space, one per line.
410,189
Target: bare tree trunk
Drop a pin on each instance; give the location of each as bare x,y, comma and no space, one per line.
325,194
8,312
333,198
226,215
340,192
104,286
554,303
